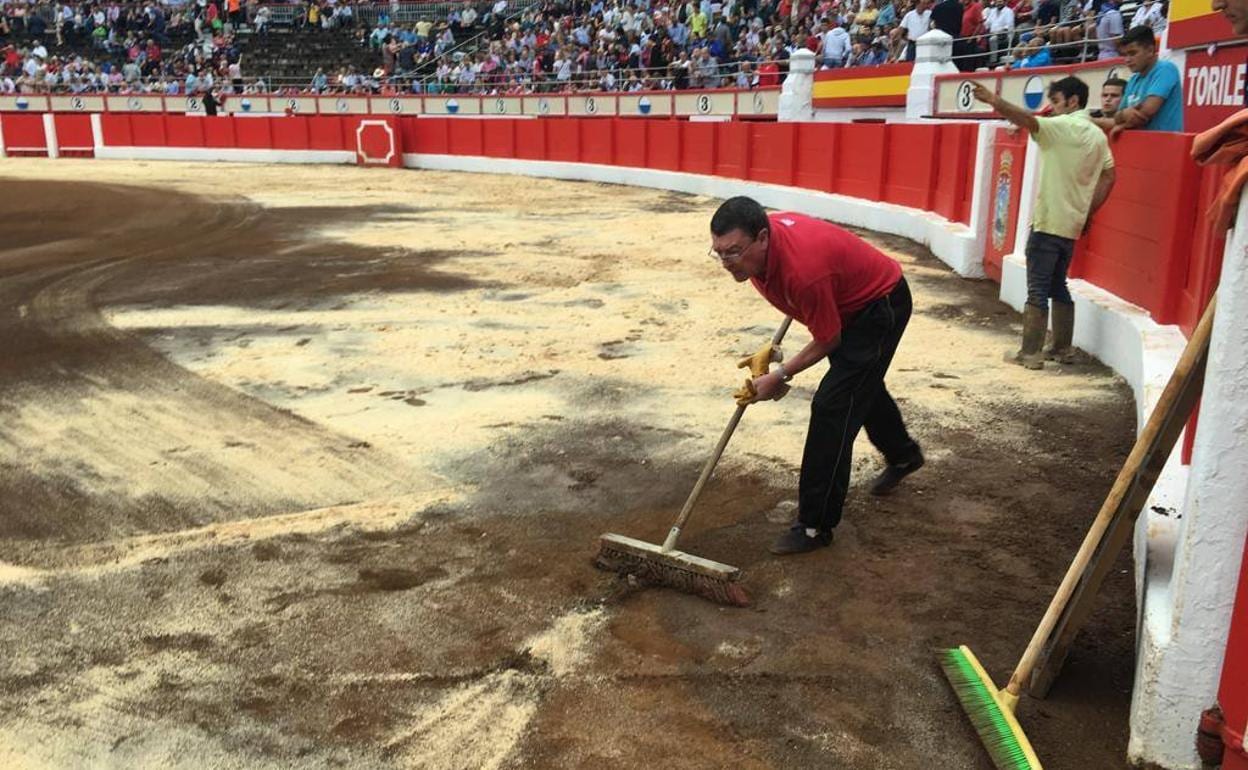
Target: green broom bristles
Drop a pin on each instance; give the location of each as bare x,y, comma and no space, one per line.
998,730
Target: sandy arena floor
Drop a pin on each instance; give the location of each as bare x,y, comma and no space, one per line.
310,475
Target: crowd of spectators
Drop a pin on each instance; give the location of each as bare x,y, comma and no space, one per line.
555,45
121,48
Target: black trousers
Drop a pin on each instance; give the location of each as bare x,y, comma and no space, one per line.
1048,260
850,397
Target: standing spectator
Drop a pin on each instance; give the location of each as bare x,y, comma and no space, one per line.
834,45
210,102
973,29
1111,101
1108,30
1150,14
916,22
1000,21
1076,176
947,17
1153,100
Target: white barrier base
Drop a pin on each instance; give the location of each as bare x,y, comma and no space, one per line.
953,243
225,155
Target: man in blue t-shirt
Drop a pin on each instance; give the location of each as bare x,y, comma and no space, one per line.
1153,99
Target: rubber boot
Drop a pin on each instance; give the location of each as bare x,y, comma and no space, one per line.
1063,333
1035,323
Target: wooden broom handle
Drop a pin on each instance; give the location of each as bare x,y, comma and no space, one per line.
1193,353
709,468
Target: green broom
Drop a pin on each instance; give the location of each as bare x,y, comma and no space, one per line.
991,710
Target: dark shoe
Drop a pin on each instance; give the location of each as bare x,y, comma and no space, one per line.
892,475
797,541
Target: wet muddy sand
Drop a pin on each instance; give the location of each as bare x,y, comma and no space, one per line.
304,467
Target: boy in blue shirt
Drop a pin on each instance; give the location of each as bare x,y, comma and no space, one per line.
1153,99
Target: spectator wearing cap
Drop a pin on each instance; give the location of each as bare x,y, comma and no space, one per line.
1153,99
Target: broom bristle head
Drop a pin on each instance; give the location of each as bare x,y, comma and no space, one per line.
1000,733
654,570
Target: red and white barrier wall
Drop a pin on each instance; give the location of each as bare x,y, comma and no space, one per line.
1142,277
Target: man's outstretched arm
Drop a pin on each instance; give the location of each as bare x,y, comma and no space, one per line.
1012,112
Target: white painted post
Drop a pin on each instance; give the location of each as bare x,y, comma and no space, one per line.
49,134
798,89
3,154
933,56
97,132
1185,624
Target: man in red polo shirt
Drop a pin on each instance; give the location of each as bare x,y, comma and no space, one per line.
856,303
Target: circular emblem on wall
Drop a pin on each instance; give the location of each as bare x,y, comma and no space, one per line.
292,105
1033,93
1113,73
643,105
396,106
591,106
75,102
966,96
246,105
500,106
22,103
341,105
543,106
134,104
452,106
192,104
759,105
704,103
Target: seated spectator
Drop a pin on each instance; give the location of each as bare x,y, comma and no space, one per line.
999,20
1033,53
1150,14
1153,98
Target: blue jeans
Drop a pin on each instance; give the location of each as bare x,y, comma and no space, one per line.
1048,259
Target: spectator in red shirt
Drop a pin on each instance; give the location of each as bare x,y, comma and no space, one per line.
768,74
856,303
973,30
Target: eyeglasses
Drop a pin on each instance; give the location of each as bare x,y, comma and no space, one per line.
733,255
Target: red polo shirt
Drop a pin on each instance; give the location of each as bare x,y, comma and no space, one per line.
822,275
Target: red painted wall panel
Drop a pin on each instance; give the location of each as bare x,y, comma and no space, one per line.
219,133
115,128
861,155
630,143
148,130
290,133
186,130
433,136
598,141
814,158
910,173
465,137
955,171
531,139
254,133
771,152
663,144
23,134
563,140
73,133
697,148
498,139
1142,241
325,133
732,150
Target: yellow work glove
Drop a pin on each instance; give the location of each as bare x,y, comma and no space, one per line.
758,364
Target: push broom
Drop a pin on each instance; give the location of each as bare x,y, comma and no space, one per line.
991,711
663,565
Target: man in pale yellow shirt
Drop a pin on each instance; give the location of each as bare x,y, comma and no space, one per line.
1076,175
